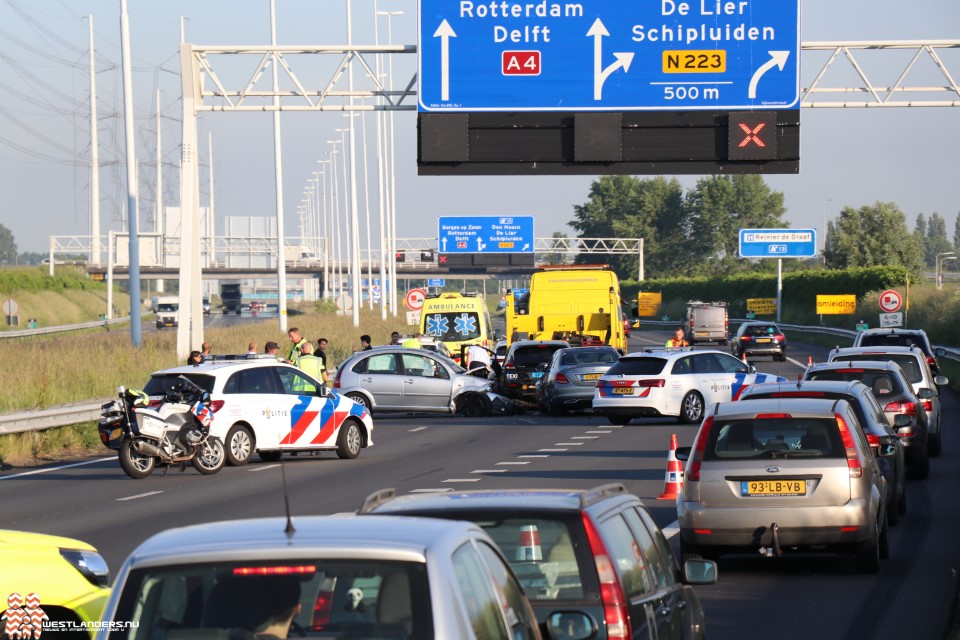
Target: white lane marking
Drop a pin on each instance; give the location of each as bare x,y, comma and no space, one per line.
441,490
551,450
584,437
269,466
802,365
615,426
569,444
604,431
535,455
671,529
504,463
461,480
489,471
65,466
418,429
139,495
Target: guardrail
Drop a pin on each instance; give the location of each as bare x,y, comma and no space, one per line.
74,414
23,333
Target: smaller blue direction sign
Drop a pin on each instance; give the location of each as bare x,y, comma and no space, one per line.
436,282
485,234
778,243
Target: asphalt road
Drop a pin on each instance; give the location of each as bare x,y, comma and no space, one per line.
792,598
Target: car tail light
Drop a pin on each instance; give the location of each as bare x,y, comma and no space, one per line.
873,441
849,370
509,365
772,416
905,407
931,361
656,382
779,337
336,378
696,458
284,570
615,612
906,432
927,404
562,379
853,460
745,338
216,405
321,610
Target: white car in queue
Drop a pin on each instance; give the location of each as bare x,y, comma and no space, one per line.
264,405
676,382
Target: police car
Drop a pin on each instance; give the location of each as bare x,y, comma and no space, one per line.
672,382
262,404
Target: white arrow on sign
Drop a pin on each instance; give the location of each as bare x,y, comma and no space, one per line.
444,32
600,75
777,59
525,247
480,245
443,241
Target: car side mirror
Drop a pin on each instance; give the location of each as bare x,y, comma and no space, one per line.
683,453
888,446
751,368
571,625
925,393
699,572
940,352
941,381
901,420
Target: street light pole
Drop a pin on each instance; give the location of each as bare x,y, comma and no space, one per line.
938,263
823,210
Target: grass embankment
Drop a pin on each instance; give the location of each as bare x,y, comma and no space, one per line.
68,297
60,369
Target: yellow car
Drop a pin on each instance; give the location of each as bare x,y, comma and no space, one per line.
52,582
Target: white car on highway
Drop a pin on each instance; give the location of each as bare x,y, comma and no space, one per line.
672,382
261,404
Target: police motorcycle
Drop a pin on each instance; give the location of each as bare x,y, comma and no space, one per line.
175,432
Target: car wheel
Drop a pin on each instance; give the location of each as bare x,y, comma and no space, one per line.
349,441
360,399
211,457
867,555
135,465
473,405
782,357
933,444
919,466
239,445
270,456
691,409
619,420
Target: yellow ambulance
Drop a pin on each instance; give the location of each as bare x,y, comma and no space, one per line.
458,320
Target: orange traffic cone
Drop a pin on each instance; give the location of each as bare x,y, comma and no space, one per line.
674,475
809,360
743,356
528,548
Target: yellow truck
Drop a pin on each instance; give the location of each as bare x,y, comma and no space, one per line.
580,304
457,320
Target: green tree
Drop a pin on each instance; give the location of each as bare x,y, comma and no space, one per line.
628,207
936,240
874,235
956,232
8,247
717,208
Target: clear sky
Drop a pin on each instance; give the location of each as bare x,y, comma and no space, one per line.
853,157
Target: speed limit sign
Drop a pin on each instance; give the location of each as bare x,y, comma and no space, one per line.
414,299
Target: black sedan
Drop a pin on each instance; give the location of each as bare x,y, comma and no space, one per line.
759,339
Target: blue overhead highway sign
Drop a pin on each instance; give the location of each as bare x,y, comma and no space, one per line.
778,243
608,55
485,234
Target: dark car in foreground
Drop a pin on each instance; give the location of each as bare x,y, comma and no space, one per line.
598,553
523,366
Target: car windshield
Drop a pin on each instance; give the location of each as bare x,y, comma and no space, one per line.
589,356
164,306
788,437
337,598
452,326
534,355
908,362
637,367
160,385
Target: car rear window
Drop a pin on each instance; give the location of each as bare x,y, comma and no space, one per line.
161,384
638,367
589,356
338,598
773,438
760,330
534,355
882,382
893,340
907,362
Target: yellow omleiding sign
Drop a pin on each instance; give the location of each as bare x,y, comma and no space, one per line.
648,304
837,304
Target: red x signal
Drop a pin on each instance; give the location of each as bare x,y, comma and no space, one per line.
752,135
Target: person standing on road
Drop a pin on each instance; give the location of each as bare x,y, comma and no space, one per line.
206,352
322,351
678,339
272,349
414,342
477,358
395,338
252,349
365,343
296,344
195,358
311,364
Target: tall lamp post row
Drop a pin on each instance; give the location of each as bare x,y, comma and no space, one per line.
940,260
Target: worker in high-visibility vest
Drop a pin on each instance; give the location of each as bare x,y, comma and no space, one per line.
414,342
311,365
